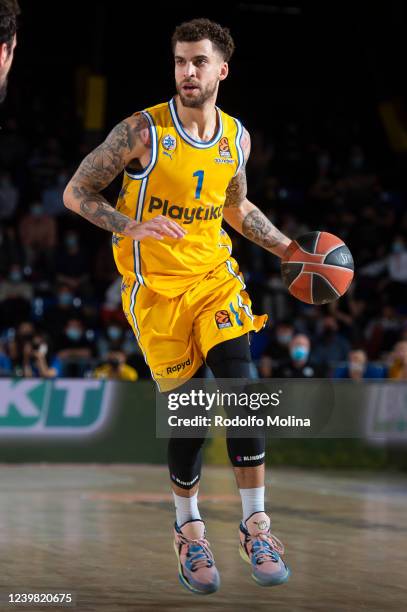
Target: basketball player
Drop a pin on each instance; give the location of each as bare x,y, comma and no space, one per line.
9,10
184,171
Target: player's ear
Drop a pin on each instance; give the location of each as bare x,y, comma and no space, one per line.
3,54
224,71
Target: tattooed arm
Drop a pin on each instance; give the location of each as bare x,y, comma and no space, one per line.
129,140
245,217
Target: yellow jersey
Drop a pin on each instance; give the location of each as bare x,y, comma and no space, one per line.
185,180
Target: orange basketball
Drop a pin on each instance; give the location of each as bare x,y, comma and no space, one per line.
317,268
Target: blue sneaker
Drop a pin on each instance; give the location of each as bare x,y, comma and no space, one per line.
196,565
262,550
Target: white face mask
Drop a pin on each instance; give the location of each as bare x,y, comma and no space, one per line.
43,349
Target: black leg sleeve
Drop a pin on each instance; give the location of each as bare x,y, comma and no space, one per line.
185,456
232,359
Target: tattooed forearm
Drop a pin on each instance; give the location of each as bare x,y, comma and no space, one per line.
96,209
257,228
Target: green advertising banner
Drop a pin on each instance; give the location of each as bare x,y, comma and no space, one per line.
87,420
47,408
78,420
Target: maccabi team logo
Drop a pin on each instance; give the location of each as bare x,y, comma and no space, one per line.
224,149
169,142
222,319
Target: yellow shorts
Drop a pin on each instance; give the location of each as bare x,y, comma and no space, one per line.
175,334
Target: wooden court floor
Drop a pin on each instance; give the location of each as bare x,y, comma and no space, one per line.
104,533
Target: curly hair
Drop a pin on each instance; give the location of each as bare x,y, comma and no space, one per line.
199,29
9,10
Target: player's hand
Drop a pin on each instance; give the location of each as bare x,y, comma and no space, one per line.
158,228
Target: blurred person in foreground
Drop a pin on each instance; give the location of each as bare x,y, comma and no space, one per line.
358,367
9,10
115,367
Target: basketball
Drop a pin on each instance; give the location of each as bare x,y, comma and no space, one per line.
317,268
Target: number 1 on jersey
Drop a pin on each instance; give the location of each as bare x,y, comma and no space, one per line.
200,175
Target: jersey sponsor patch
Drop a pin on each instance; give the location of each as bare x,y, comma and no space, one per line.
224,149
186,214
223,160
175,369
222,319
168,142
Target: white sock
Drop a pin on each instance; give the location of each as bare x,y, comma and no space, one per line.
186,508
252,501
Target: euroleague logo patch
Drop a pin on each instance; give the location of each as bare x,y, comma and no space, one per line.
169,142
224,149
222,319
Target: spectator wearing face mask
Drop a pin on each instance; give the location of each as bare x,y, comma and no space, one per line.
26,353
34,362
114,367
56,316
330,348
51,197
112,339
72,263
358,368
38,235
74,349
278,348
298,365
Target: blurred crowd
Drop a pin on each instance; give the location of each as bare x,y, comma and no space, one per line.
60,294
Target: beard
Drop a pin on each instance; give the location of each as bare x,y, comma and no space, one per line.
3,90
197,101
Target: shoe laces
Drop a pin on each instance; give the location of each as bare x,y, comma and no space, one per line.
198,553
265,547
